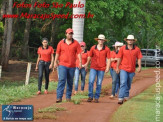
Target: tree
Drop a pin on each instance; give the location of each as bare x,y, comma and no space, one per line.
27,31
7,36
16,23
78,23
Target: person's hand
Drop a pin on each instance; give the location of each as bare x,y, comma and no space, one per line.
80,65
50,67
55,66
86,67
36,69
117,70
139,69
106,70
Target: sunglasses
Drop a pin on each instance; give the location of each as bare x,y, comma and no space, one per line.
130,40
70,33
81,46
101,39
45,42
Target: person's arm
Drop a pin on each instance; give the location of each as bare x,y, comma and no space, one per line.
139,56
57,56
80,60
86,64
37,62
108,65
118,63
88,61
119,58
90,54
52,60
56,60
139,65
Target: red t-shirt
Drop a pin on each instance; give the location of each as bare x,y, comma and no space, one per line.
113,63
45,54
84,58
67,53
129,57
98,57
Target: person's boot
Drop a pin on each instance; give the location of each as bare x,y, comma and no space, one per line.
120,102
126,99
89,99
59,100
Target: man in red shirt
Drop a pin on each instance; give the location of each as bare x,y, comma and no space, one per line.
100,63
67,49
127,55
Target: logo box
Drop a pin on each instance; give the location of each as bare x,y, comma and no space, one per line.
17,112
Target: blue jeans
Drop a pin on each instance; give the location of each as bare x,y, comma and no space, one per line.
92,76
111,72
117,85
125,83
83,74
66,74
115,80
43,66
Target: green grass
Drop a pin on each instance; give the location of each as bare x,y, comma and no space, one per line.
15,91
76,99
48,112
44,116
141,108
51,109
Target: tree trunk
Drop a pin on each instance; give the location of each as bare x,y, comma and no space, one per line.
7,37
16,23
78,23
27,31
52,33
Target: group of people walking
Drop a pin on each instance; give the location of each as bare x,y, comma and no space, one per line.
72,59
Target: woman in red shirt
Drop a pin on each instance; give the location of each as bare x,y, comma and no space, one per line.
114,75
44,63
82,70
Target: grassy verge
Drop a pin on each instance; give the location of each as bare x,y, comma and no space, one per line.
15,91
141,108
51,109
48,113
76,99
